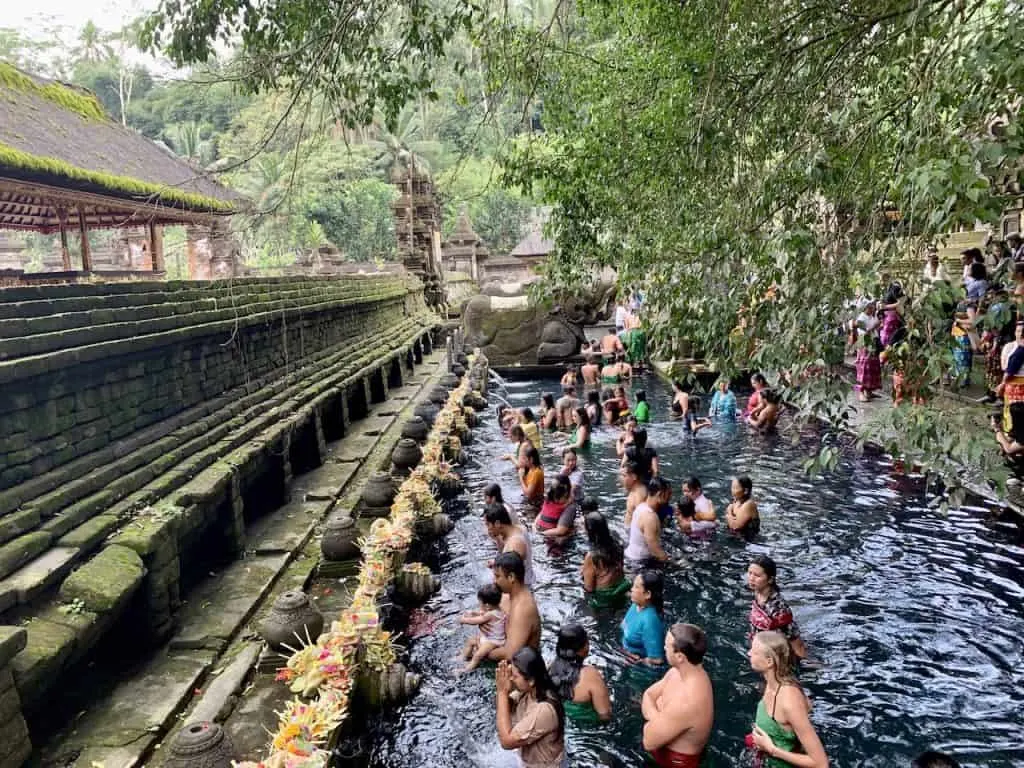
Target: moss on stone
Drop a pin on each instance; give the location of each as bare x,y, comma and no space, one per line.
19,551
105,582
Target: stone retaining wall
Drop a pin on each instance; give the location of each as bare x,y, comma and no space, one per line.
180,408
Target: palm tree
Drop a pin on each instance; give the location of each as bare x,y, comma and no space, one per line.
400,145
92,44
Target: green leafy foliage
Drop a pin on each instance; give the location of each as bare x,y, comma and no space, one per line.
754,167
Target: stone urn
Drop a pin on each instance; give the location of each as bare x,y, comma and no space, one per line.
459,369
391,686
339,539
427,411
414,587
449,381
439,396
416,429
406,456
379,494
437,525
462,359
200,745
292,621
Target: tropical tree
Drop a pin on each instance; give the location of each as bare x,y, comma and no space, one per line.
93,45
753,168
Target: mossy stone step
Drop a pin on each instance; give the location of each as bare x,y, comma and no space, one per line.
49,646
31,580
21,550
12,640
107,581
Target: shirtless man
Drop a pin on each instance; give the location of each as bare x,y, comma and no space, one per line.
680,709
611,345
509,537
636,491
591,371
523,626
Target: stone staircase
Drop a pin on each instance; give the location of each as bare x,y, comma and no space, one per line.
139,420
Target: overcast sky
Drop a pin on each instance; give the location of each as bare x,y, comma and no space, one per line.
31,16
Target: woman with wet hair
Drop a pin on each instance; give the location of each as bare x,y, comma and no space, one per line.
582,687
530,716
769,612
783,733
742,515
643,628
604,578
548,412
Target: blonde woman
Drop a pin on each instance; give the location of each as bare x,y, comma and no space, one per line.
783,733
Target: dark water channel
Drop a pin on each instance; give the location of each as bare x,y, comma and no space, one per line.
916,620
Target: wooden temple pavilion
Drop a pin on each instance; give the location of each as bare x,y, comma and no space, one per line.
66,167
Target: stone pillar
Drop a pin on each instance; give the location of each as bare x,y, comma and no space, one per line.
156,247
199,252
15,745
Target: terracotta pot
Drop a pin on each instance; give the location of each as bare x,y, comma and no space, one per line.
407,454
339,539
200,745
416,429
292,621
380,490
427,411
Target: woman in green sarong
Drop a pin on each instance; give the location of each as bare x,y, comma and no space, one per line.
582,687
604,579
783,733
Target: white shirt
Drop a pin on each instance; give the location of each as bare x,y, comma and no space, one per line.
935,275
576,481
620,316
702,504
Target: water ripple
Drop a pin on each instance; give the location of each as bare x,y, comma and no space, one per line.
914,619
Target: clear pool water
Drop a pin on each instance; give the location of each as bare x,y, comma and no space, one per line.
915,620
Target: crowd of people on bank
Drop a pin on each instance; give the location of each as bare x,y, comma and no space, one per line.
982,305
535,698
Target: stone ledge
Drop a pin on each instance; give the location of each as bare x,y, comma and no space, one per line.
105,583
12,641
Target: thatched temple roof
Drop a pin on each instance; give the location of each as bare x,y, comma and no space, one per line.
60,150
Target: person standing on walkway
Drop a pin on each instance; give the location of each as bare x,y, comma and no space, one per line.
869,368
783,732
680,708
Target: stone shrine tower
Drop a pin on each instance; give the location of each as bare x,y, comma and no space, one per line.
418,228
464,251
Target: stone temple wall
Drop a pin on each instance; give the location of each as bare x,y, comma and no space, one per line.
140,422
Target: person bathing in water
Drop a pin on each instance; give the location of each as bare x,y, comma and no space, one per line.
679,710
522,627
490,623
742,515
582,687
591,372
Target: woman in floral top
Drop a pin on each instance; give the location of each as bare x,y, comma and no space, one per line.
769,611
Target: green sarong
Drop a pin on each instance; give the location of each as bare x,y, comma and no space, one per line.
584,714
635,342
610,598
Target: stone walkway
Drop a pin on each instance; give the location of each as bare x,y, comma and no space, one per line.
201,673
